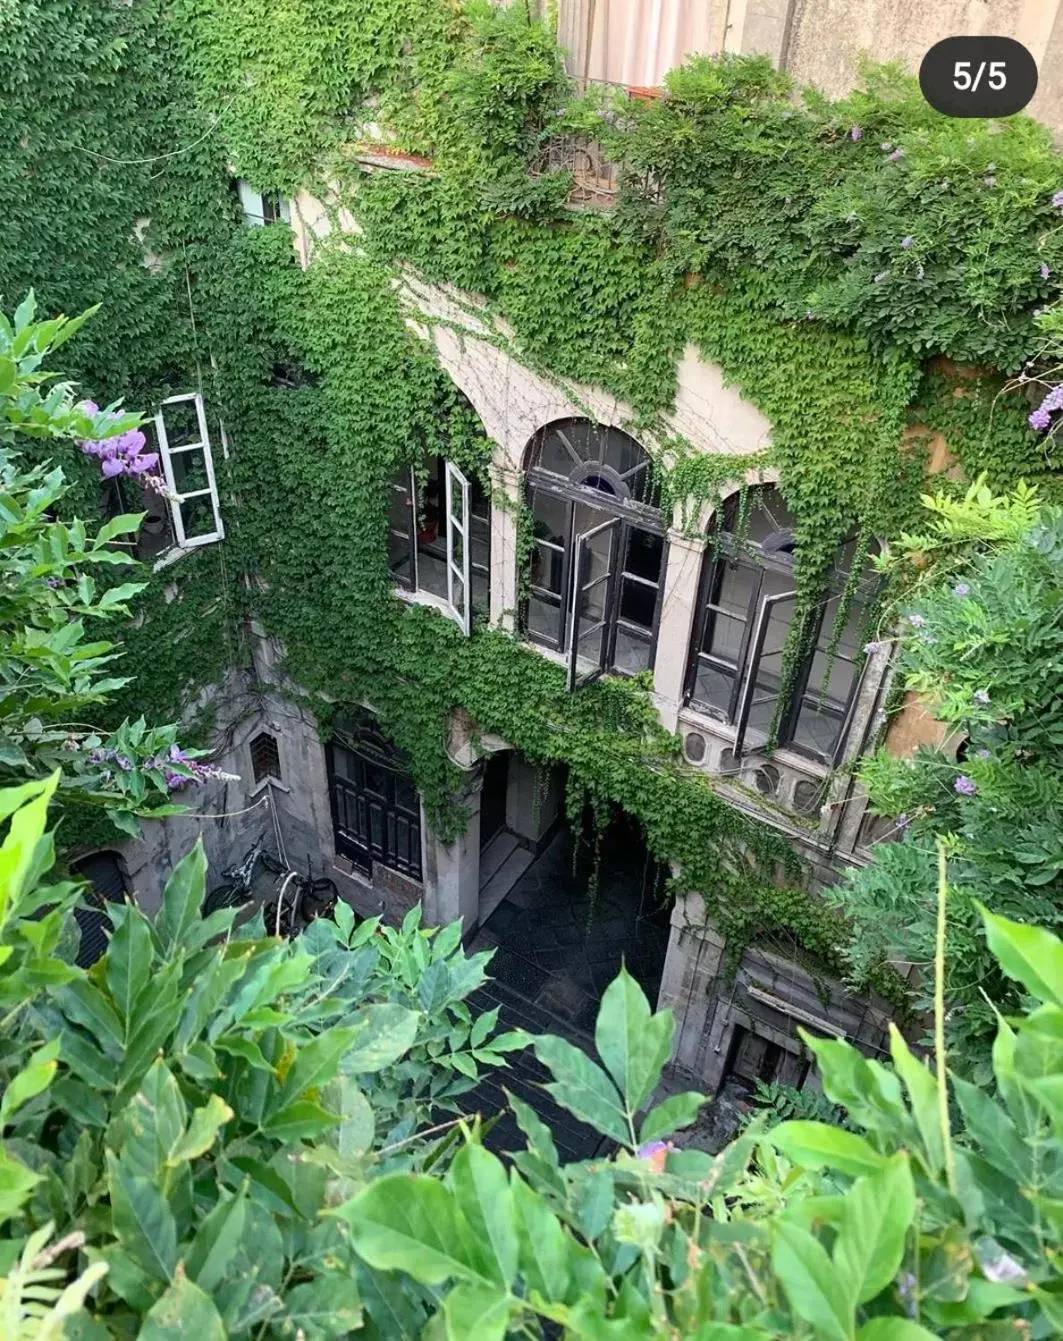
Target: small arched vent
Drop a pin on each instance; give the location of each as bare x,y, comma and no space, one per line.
766,780
694,747
807,796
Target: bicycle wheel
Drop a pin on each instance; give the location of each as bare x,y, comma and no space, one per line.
224,896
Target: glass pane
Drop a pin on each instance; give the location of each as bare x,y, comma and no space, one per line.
401,502
818,726
631,652
560,454
767,513
713,687
622,452
377,779
480,542
197,516
544,618
723,636
637,602
479,502
592,600
549,517
432,569
190,470
457,550
400,560
737,583
458,594
591,650
181,423
644,554
481,595
547,567
769,672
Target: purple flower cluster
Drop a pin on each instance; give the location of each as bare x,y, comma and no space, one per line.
111,757
896,156
965,786
1057,200
908,242
1045,270
120,455
961,589
1041,418
856,133
916,621
198,773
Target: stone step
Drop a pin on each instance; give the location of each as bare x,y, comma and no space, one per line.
505,877
495,853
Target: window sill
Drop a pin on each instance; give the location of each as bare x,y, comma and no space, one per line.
179,552
692,718
424,598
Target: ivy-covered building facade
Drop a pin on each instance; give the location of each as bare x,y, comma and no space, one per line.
522,497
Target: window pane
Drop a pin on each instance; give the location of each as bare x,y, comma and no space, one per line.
481,595
190,470
181,423
631,652
480,542
713,686
637,602
737,583
560,454
549,517
432,569
644,554
591,650
818,726
723,636
544,618
197,516
547,567
400,560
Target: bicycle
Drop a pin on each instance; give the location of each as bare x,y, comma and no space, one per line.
288,914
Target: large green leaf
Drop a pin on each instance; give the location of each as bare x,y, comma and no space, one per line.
84,1004
182,899
323,1309
385,1033
129,957
412,1223
184,1313
544,1246
217,1239
16,1184
1028,954
583,1088
678,1110
990,1126
299,1121
810,1281
143,1222
922,1090
33,1079
315,1063
816,1145
877,1213
154,1121
476,1313
478,1181
204,1126
634,1044
894,1329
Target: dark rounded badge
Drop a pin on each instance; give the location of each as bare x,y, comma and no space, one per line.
978,76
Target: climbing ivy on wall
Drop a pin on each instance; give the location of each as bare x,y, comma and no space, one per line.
820,252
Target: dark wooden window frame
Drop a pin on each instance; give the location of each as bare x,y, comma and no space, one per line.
364,745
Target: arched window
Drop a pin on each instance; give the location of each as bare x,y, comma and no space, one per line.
597,567
746,608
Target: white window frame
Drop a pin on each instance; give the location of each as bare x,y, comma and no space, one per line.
167,453
253,204
456,487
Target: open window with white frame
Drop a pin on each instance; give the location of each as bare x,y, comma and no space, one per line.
260,208
188,467
439,538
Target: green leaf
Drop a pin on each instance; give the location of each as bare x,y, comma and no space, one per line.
481,1189
184,1313
922,1090
894,1329
143,1222
237,1046
315,1063
411,1222
990,1126
544,1247
1028,954
182,898
815,1145
205,1124
85,1005
217,1240
324,1309
810,1281
476,1313
16,1184
386,1034
877,1213
583,1088
678,1110
129,958
634,1044
299,1121
32,1080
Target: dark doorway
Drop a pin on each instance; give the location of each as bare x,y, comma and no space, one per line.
376,812
493,797
103,871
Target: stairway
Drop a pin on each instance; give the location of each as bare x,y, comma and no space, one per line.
502,863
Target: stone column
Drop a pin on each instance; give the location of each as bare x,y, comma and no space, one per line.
691,967
678,608
533,800
504,547
452,870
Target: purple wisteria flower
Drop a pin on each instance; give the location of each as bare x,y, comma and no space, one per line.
965,786
896,156
1046,270
961,589
120,455
916,621
856,133
903,821
908,242
1057,200
55,582
981,696
984,754
874,647
1040,419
